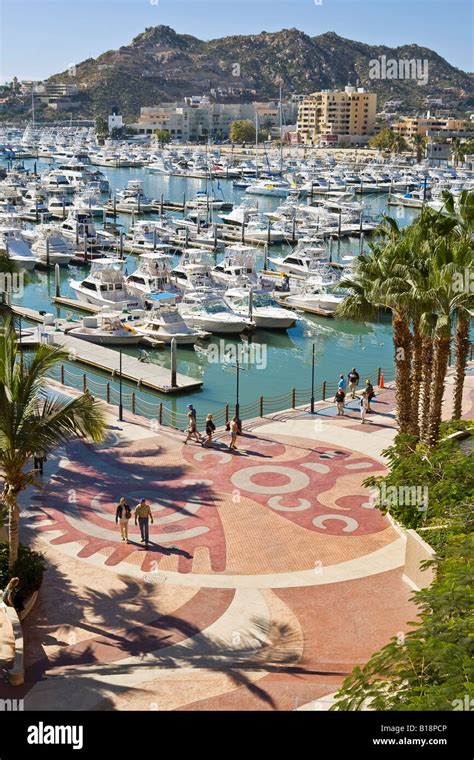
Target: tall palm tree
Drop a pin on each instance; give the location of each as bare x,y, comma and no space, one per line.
461,218
34,418
419,144
378,282
457,151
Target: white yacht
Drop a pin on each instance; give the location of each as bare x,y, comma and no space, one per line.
151,276
107,330
50,244
299,262
164,322
193,271
237,266
19,252
260,307
105,286
132,198
212,314
314,296
269,187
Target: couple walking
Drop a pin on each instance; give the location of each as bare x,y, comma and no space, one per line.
193,432
142,516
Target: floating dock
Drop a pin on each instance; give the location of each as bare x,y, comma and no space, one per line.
108,360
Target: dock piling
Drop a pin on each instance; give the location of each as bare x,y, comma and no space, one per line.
173,363
57,280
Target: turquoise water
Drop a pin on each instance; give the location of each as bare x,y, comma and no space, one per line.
339,344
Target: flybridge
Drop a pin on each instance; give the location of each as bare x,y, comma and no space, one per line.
45,734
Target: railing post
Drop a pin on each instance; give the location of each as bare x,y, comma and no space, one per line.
227,413
379,372
84,382
133,402
261,406
107,392
160,413
324,390
62,374
293,398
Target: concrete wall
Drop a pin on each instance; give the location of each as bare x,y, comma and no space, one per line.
417,551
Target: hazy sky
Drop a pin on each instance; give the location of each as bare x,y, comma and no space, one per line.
41,37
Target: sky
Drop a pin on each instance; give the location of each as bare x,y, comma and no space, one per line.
42,37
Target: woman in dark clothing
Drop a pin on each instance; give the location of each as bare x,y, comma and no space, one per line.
122,516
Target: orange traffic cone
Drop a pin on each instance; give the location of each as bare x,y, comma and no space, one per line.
381,383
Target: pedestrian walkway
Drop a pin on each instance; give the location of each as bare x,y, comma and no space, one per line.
268,576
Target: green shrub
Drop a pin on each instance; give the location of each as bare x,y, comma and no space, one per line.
29,568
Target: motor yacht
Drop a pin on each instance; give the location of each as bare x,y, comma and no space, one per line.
212,314
164,322
106,329
260,307
105,285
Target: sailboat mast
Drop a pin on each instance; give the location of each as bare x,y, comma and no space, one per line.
256,143
281,136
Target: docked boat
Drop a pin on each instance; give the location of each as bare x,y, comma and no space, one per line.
269,187
300,262
237,266
107,330
18,250
164,322
316,295
194,271
151,276
105,286
50,247
212,314
260,307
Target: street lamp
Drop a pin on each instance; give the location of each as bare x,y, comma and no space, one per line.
239,369
312,383
120,387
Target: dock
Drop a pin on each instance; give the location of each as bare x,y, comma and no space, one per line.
105,359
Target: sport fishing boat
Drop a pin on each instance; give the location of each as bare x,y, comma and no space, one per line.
164,322
105,286
151,276
260,307
19,252
212,314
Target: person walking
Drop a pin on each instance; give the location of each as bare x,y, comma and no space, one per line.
143,516
353,378
122,516
339,399
39,460
210,428
370,393
342,383
192,427
364,405
234,429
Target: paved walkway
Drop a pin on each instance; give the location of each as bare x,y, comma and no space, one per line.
269,574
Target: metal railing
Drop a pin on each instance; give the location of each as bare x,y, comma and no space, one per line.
163,416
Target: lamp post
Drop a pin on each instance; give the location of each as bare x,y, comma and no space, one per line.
120,387
312,383
239,369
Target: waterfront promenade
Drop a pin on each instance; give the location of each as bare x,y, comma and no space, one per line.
269,574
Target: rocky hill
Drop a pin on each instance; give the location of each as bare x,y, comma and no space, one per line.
160,65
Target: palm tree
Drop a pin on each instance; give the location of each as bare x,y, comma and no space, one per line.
34,418
461,219
378,282
419,143
457,151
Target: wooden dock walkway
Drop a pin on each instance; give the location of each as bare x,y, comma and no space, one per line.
108,360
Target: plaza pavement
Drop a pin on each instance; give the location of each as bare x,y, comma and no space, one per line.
268,577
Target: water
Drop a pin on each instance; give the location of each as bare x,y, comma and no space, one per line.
339,344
